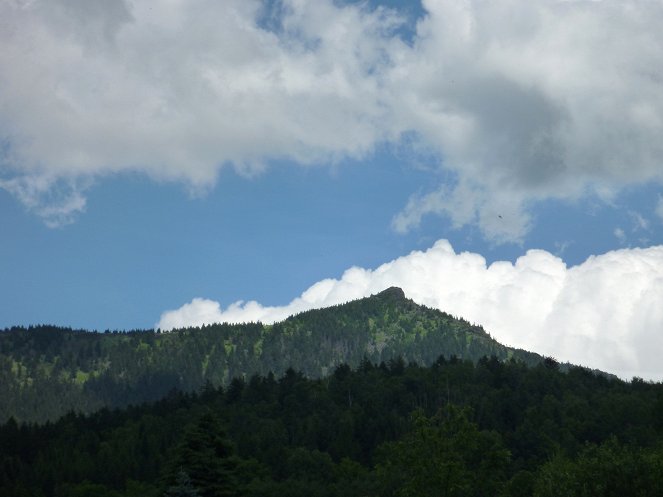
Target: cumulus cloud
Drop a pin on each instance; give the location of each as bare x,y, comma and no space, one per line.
177,90
196,313
532,101
520,101
604,313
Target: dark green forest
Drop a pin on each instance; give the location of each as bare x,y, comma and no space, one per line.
47,371
379,397
455,428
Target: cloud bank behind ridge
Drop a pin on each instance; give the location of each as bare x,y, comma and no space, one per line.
604,313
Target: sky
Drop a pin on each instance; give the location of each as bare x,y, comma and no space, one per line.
171,163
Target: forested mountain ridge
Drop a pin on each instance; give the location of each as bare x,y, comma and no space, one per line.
46,371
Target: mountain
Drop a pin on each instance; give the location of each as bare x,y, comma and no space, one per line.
47,371
388,426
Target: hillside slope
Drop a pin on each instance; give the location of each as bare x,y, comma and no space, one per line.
47,371
489,429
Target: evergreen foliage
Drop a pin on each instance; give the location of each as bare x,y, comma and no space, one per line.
382,429
182,487
443,456
47,371
205,457
377,397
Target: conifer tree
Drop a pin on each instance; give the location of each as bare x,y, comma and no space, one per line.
182,487
206,456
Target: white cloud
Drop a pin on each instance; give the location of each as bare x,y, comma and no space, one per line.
604,313
196,313
638,221
177,90
522,101
56,202
499,214
533,100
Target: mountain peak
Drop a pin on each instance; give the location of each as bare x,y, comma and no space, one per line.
393,292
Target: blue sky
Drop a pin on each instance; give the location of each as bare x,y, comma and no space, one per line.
152,173
141,247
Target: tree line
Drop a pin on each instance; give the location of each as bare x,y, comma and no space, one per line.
46,371
393,428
